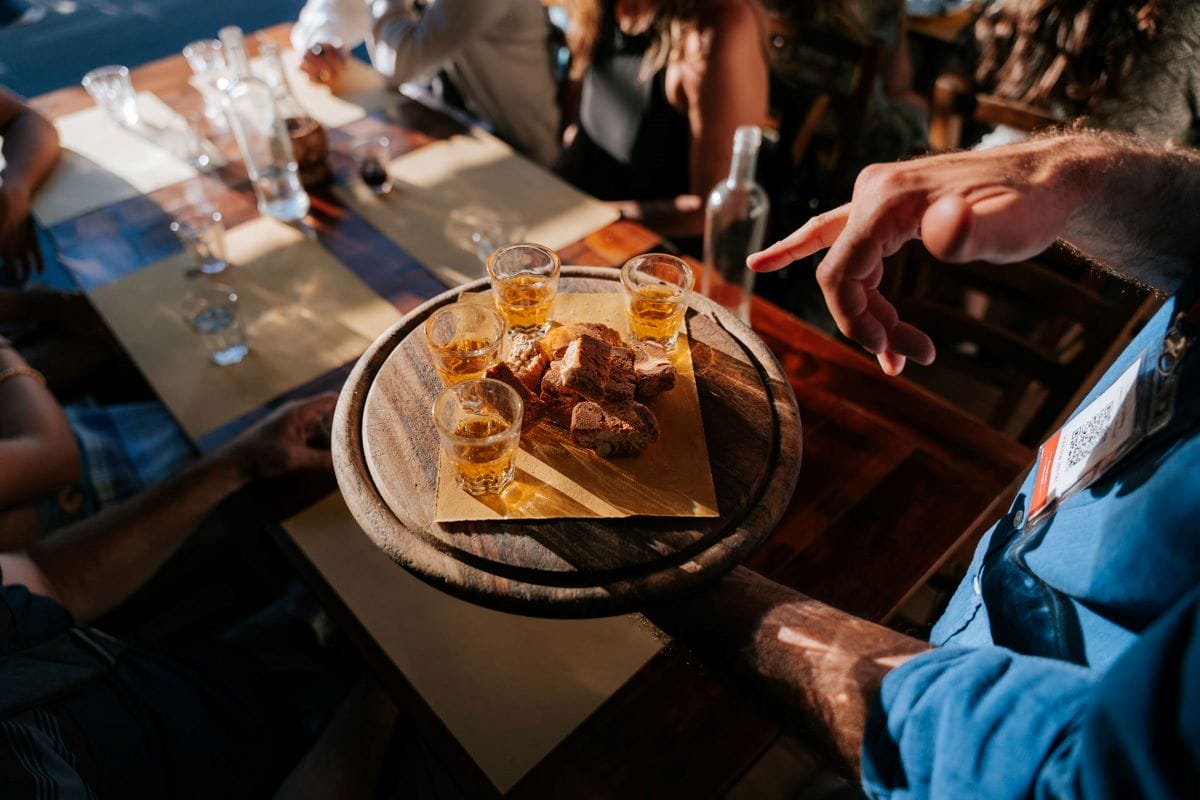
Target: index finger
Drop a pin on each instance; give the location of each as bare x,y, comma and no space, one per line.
818,233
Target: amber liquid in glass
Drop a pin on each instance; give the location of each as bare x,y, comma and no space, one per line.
463,358
485,466
655,314
524,301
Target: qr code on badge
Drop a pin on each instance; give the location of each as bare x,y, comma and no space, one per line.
1085,438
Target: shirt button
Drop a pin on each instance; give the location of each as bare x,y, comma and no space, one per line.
975,584
1018,518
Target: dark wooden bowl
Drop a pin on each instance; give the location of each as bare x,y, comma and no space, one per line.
387,469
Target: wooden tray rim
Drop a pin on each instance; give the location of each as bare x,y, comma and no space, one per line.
376,518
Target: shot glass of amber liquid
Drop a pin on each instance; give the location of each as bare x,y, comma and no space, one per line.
479,425
524,281
657,287
464,339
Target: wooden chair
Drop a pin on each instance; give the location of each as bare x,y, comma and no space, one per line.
956,100
821,87
1018,344
819,81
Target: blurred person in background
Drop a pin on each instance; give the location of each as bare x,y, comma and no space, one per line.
62,464
894,119
38,453
665,83
38,304
841,97
493,57
1126,66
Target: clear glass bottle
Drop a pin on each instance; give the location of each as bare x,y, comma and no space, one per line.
310,144
734,223
262,136
237,62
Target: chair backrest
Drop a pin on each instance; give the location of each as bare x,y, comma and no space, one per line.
820,79
956,100
1018,344
821,84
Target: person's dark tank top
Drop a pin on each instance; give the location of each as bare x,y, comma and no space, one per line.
634,144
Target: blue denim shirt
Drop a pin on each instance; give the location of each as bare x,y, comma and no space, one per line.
1097,691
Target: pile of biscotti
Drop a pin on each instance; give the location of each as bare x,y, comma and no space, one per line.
584,378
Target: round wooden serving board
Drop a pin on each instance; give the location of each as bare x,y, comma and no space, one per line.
385,453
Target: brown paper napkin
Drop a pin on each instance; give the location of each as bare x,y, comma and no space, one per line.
672,478
304,313
442,187
103,163
509,688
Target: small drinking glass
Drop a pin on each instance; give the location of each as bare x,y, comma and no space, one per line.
465,340
479,425
371,158
206,57
211,309
481,230
112,90
524,281
657,286
196,149
203,236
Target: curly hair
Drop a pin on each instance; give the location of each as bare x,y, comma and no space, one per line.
1062,54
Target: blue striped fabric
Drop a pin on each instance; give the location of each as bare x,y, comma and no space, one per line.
124,449
48,769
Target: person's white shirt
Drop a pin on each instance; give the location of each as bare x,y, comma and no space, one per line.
495,51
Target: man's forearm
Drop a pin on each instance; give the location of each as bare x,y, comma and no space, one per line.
1133,206
819,666
95,565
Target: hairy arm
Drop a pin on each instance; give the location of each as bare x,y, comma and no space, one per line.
30,150
1131,199
38,454
819,666
1116,199
93,566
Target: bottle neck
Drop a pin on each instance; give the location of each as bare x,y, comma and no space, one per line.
234,45
741,169
276,78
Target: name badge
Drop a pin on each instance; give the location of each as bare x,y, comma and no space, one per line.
1095,438
1138,404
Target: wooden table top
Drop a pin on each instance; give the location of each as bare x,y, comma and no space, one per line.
892,477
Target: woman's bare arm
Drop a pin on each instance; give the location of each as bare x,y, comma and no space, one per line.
722,79
38,454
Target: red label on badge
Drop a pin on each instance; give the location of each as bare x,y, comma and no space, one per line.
1041,487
